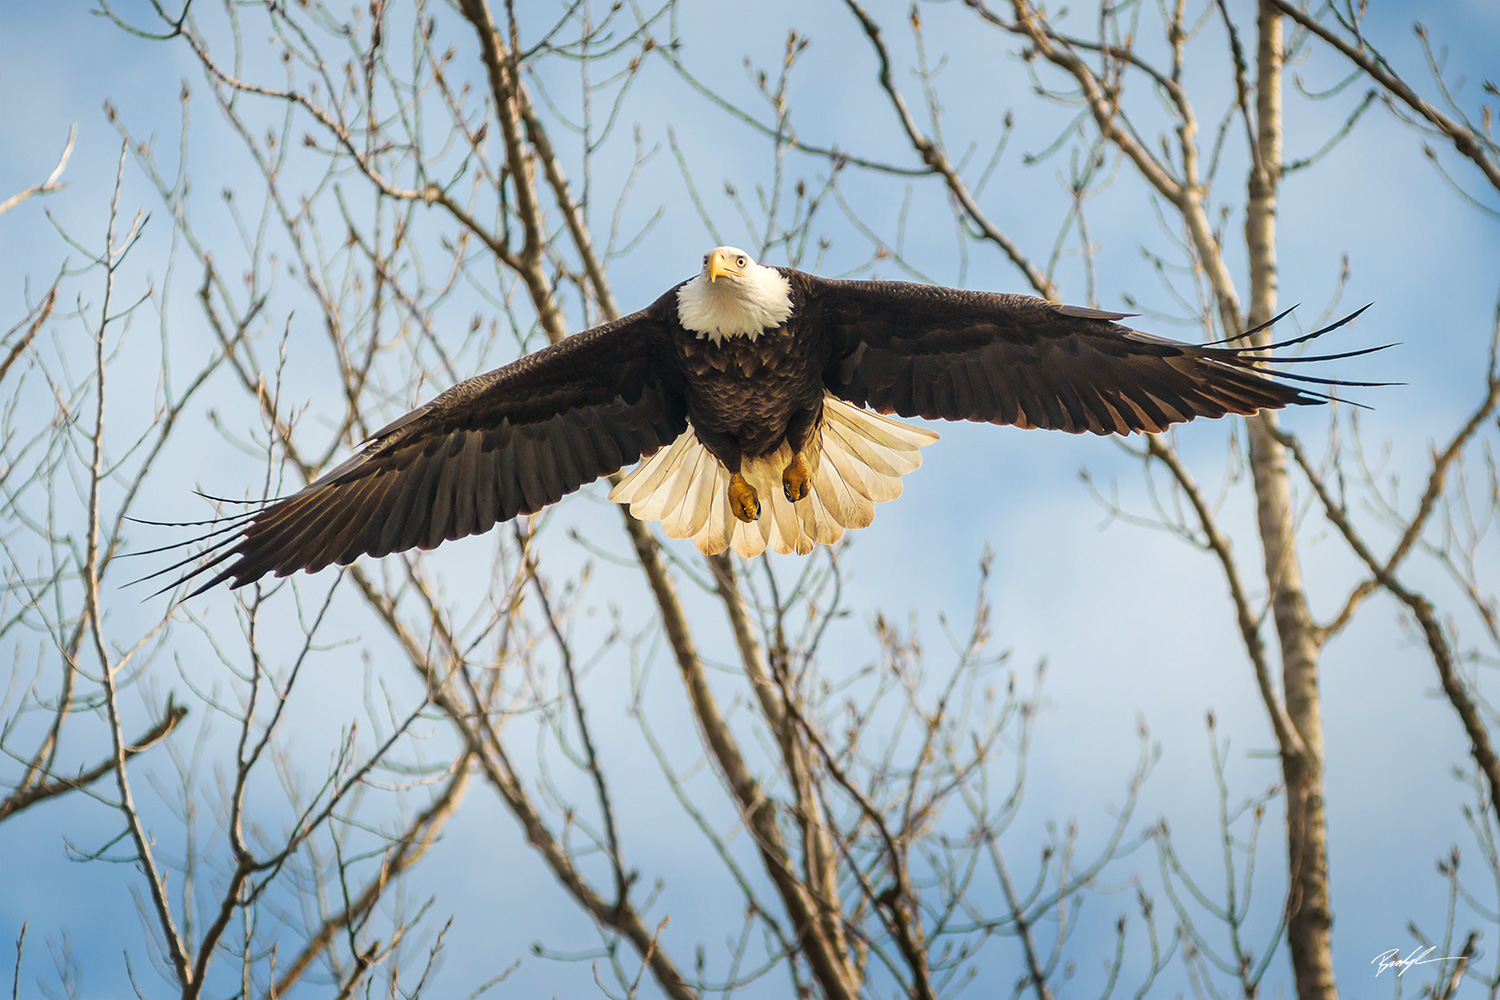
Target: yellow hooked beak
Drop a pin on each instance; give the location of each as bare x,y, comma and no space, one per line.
722,262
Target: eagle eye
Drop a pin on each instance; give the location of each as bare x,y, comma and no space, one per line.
740,261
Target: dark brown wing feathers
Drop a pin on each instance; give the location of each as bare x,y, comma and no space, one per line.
941,353
508,442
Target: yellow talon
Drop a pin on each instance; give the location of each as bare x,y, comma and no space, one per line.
742,499
797,478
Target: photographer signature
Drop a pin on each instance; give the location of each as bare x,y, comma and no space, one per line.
1392,960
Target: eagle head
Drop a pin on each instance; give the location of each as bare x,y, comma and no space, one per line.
733,296
726,262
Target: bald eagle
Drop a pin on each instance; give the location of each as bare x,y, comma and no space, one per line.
759,398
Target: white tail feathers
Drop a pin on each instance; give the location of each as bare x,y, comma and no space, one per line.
857,460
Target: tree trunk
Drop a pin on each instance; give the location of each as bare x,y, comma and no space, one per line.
1309,916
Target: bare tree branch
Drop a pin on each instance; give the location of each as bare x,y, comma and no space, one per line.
1463,138
52,183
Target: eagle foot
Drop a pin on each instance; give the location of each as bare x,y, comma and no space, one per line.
796,479
743,499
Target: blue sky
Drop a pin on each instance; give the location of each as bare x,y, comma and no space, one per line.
1132,623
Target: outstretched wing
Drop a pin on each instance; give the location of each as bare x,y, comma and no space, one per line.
507,442
925,351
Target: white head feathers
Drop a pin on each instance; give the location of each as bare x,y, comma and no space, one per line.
734,296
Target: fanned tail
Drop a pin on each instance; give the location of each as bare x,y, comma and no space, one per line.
857,459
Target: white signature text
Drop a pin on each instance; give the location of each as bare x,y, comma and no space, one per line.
1392,960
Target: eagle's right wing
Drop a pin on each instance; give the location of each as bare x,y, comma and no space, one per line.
507,442
927,351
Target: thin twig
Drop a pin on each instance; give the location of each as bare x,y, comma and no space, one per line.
52,183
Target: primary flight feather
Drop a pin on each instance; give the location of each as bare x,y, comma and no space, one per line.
758,397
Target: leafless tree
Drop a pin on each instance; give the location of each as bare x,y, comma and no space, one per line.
379,174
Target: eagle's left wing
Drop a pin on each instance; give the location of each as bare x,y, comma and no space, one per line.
496,445
927,351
